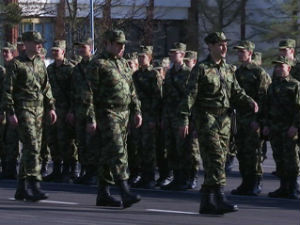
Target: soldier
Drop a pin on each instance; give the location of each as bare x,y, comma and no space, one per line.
173,92
11,137
132,59
212,90
282,122
78,114
2,123
27,93
113,99
148,90
190,59
255,81
257,58
62,135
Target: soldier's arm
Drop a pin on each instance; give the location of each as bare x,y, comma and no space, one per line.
191,95
156,97
296,121
8,88
135,102
48,97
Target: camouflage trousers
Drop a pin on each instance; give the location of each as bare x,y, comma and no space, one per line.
214,133
61,139
87,144
45,151
30,131
133,148
178,156
285,153
193,149
249,149
161,153
113,158
11,144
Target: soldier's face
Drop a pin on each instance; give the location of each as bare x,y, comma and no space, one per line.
85,50
20,47
7,55
287,52
176,56
190,63
244,55
219,50
115,48
144,60
58,54
33,47
282,70
134,64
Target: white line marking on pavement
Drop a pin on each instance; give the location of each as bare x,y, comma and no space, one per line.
171,211
53,202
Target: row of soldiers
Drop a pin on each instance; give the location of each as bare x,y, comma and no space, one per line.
99,100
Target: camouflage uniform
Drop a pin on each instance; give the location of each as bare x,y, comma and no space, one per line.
255,81
282,110
212,90
61,138
87,145
173,92
27,93
149,93
2,125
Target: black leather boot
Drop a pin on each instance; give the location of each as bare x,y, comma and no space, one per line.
34,187
207,203
222,204
128,198
104,197
293,193
243,188
56,174
75,170
282,191
22,192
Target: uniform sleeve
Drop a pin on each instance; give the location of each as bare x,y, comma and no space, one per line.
190,96
8,88
156,97
296,120
135,102
48,97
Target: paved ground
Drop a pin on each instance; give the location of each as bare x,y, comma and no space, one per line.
75,204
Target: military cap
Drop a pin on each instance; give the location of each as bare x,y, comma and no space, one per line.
287,43
215,37
115,36
157,64
131,56
84,41
190,55
43,51
20,41
178,46
9,46
282,60
33,36
59,44
146,50
248,45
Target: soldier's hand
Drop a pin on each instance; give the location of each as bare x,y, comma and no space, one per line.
254,106
254,125
266,131
52,116
13,120
138,120
70,118
292,132
183,131
91,128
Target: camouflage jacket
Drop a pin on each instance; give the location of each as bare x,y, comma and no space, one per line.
26,85
60,79
148,90
282,106
2,76
80,89
212,85
110,79
174,88
255,81
295,71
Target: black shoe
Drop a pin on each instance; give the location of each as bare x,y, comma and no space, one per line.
22,192
36,192
193,183
104,198
222,204
293,193
207,203
163,181
128,198
282,191
242,189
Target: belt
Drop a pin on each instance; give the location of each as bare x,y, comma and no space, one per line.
215,110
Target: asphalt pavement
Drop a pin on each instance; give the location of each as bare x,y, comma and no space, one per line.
75,204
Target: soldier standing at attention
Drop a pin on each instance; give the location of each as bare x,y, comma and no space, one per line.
282,122
212,90
27,93
255,81
114,98
62,135
173,92
148,90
